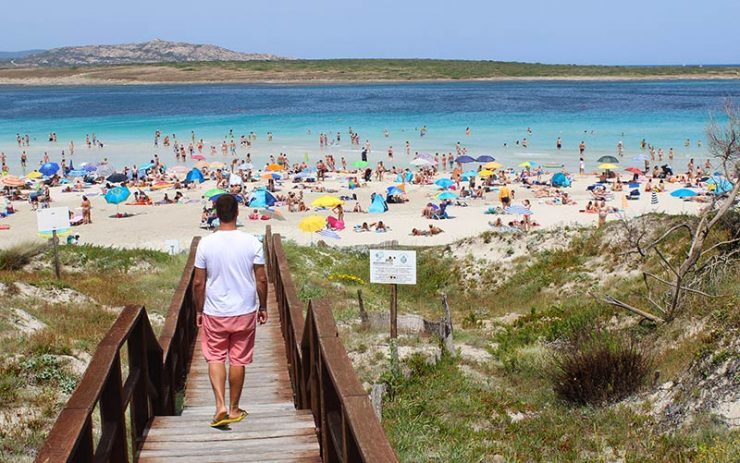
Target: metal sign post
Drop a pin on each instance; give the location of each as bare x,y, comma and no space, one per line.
393,268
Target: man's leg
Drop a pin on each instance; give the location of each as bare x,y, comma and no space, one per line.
240,355
217,375
236,382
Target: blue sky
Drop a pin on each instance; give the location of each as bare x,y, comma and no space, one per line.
549,31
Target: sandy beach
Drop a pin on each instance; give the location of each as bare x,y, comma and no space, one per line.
150,226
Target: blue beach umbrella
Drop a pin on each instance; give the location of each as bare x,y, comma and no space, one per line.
394,190
77,173
683,193
89,168
49,169
468,174
464,159
447,195
195,176
146,167
444,183
518,210
239,198
560,180
485,158
117,195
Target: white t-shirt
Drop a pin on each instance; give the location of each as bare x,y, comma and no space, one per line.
229,258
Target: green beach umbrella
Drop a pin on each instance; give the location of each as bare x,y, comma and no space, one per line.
213,192
360,164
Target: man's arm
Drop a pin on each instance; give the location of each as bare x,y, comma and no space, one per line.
199,293
260,278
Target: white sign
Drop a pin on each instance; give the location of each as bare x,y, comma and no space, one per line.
52,219
392,267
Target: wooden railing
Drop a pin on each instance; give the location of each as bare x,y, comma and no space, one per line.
323,378
321,373
156,370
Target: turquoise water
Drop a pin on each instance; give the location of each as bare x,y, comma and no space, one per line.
665,113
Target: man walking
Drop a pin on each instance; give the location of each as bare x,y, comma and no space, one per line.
230,295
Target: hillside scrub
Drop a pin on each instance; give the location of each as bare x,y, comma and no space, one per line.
49,328
524,314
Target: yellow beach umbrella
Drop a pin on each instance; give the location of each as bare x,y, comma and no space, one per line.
217,165
485,173
493,165
12,181
34,174
312,223
608,166
274,167
327,201
201,164
526,164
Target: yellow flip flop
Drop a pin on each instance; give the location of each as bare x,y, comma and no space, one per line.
242,414
218,422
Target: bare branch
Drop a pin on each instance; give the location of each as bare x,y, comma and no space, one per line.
722,243
685,288
616,302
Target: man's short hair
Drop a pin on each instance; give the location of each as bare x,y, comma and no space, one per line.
226,208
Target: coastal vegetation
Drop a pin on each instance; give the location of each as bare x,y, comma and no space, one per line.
49,328
349,70
523,316
522,326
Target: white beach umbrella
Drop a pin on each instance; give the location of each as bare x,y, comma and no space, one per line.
420,162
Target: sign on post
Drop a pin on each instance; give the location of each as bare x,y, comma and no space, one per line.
52,219
392,267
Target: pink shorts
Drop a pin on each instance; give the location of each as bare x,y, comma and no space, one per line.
229,335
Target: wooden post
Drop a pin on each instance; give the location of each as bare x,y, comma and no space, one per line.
448,343
57,264
394,311
363,315
376,398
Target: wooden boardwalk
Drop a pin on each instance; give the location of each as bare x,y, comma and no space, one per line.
274,431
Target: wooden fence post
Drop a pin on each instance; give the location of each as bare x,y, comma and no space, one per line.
447,327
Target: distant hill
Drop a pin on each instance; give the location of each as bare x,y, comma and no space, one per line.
12,55
155,51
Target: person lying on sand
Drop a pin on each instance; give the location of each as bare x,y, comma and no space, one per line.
362,228
380,227
432,231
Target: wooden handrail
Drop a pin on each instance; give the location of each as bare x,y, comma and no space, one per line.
71,438
156,370
178,335
321,372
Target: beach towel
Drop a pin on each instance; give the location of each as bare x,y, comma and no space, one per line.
334,223
653,198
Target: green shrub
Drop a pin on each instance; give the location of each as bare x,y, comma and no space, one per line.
16,257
